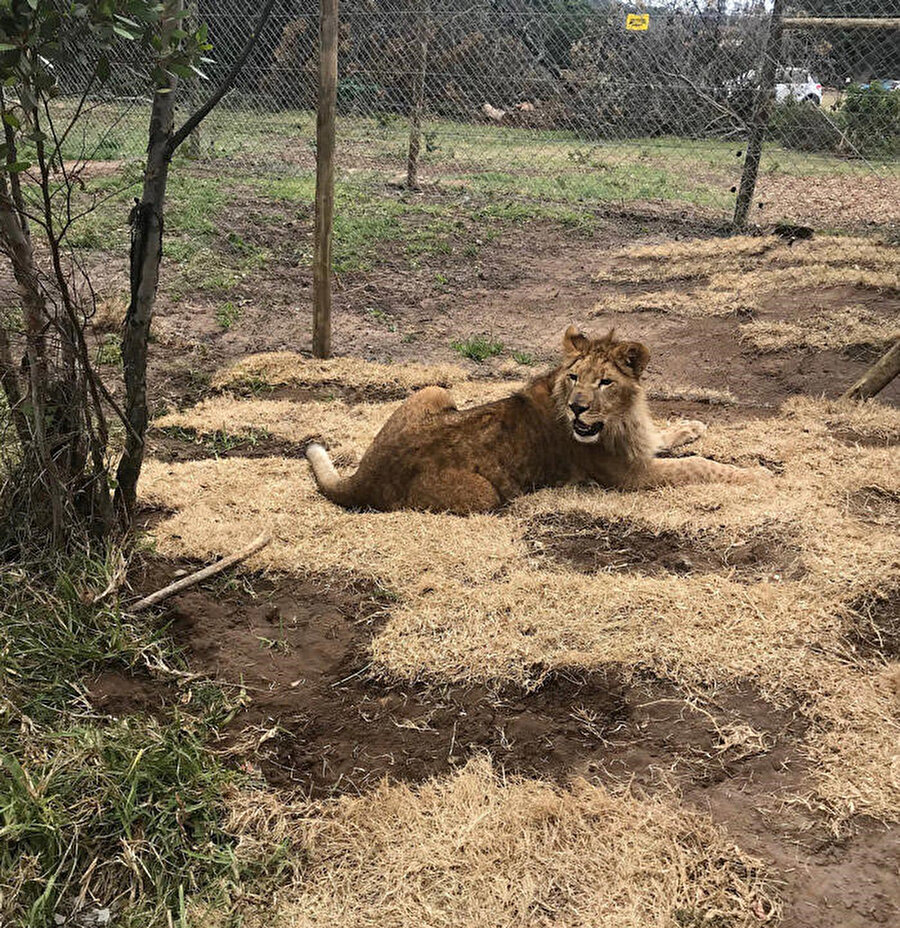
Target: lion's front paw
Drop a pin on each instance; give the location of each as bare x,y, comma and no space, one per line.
758,474
693,428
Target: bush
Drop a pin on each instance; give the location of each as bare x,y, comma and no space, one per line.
807,127
872,118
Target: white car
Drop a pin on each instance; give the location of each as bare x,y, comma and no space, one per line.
791,85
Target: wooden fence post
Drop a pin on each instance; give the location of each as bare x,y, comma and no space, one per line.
761,114
325,118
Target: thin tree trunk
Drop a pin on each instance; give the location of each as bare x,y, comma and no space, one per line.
761,115
34,309
325,119
146,254
12,389
417,102
878,376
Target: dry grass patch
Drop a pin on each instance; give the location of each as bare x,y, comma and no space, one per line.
740,275
477,851
693,259
286,368
827,329
476,603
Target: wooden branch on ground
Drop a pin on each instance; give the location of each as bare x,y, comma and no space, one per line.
878,376
257,545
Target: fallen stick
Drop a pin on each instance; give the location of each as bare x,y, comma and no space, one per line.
877,377
213,569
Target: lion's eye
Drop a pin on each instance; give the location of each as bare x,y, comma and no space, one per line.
573,376
605,382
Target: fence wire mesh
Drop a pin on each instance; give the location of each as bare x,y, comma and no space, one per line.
554,99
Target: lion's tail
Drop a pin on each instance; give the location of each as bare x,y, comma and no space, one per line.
338,489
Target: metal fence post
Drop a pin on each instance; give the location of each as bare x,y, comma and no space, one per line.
417,101
761,115
193,145
325,119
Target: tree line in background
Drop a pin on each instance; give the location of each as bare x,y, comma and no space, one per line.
544,63
570,63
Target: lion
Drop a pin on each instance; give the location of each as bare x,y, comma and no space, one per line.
586,421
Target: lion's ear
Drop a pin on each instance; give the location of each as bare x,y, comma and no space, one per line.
632,356
574,342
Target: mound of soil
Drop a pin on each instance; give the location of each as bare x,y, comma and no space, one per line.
589,544
188,446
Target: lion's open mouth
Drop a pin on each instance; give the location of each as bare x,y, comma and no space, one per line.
583,430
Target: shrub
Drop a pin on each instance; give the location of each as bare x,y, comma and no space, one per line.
807,127
872,117
478,348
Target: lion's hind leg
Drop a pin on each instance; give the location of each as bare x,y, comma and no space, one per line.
429,400
683,433
457,491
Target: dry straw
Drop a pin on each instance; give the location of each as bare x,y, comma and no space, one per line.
477,602
287,368
476,851
744,276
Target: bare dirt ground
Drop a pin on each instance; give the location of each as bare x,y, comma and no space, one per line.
522,289
316,722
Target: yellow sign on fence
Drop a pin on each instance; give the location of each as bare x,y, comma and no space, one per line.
637,22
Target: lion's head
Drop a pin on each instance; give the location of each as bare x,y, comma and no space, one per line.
598,382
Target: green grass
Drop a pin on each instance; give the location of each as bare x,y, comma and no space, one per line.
523,358
134,803
227,314
221,440
109,351
478,347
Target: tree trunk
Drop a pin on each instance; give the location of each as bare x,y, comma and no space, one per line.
146,254
34,310
761,115
878,376
325,119
417,101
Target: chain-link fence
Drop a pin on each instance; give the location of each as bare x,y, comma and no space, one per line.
553,98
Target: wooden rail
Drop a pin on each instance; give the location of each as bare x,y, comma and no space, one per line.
839,22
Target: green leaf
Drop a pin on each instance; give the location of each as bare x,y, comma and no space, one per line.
12,120
18,166
103,69
6,47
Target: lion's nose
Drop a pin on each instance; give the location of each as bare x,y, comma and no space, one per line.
577,408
